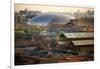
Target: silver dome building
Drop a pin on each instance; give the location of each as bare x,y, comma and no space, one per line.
46,19
52,22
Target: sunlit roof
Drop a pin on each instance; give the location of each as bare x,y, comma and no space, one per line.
83,42
79,35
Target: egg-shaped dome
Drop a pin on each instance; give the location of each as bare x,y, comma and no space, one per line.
45,19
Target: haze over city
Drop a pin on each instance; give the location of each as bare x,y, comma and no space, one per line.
50,8
41,37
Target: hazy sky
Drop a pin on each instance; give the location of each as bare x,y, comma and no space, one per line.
48,8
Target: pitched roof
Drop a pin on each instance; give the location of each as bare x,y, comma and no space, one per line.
83,42
79,35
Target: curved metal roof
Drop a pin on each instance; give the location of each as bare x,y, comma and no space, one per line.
45,19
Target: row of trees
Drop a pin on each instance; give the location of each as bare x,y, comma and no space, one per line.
23,33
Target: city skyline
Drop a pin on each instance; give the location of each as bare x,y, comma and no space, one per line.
67,35
50,8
